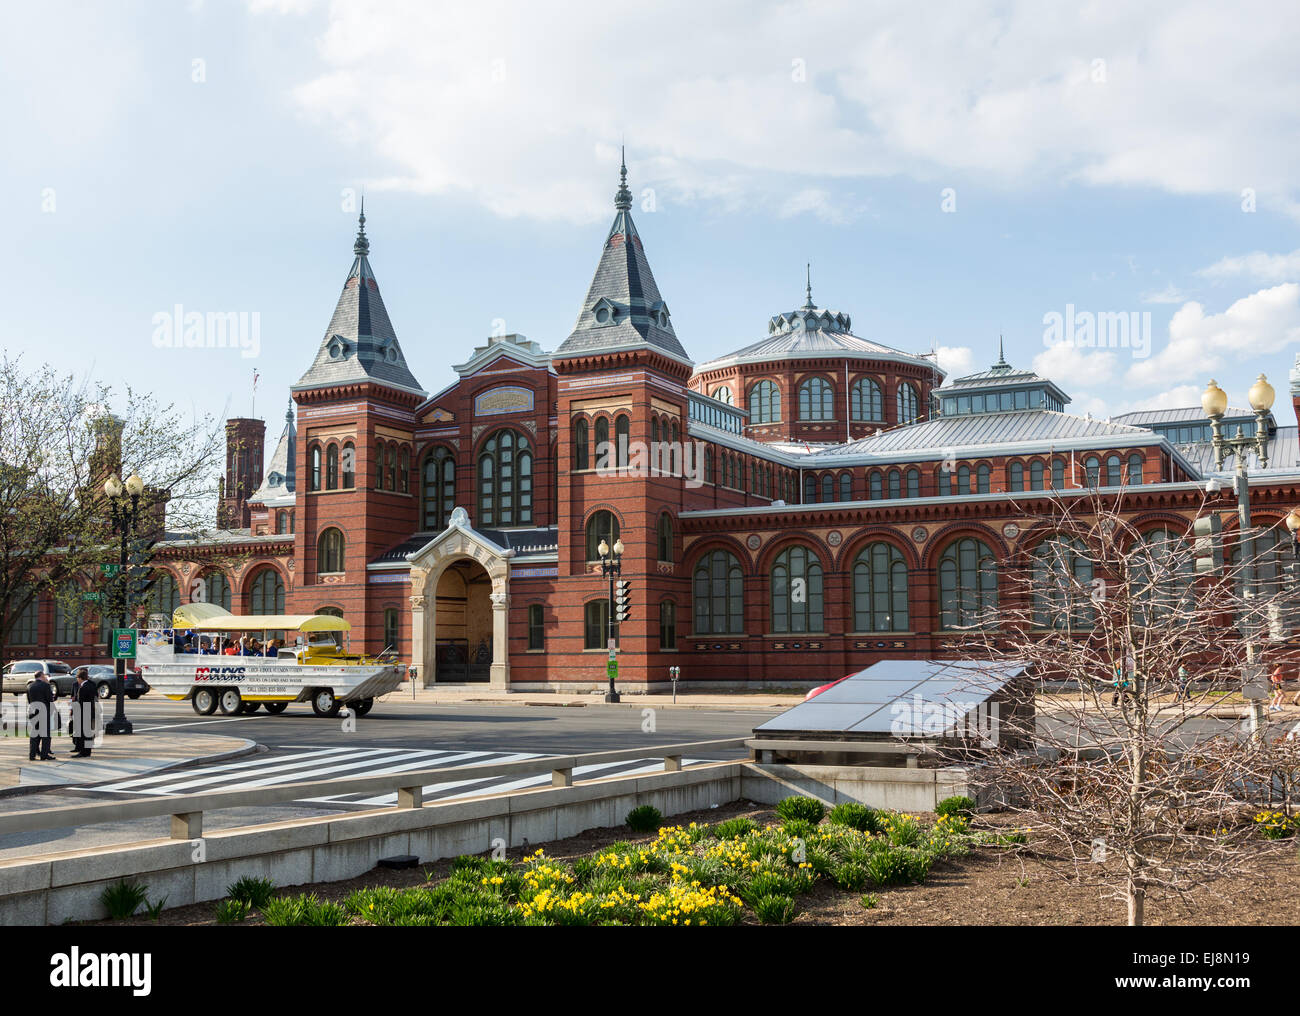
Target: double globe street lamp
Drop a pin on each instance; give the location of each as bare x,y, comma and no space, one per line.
611,566
1215,403
124,513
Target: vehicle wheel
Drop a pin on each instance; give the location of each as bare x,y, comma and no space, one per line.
363,707
103,690
275,708
204,701
230,702
323,702
251,707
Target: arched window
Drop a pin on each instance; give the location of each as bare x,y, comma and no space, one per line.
68,615
390,460
349,465
1114,471
816,400
1036,475
580,458
266,594
315,467
667,624
913,483
281,522
764,403
866,403
404,470
908,403
963,479
439,488
1092,471
895,483
1058,474
875,490
597,631
1062,585
505,480
26,626
215,588
329,551
379,466
665,537
968,585
982,478
810,489
604,450
603,525
622,431
828,487
1016,476
797,592
1135,470
332,467
1161,575
164,596
718,595
846,486
880,589
723,394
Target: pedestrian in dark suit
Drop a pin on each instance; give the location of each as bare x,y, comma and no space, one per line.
40,718
83,715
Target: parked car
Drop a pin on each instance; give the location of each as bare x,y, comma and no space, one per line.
19,674
826,687
105,678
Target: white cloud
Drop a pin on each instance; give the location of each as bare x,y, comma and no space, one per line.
1257,266
1170,294
819,203
1251,328
954,360
518,106
1073,365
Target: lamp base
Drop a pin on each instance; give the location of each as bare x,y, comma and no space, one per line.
612,696
116,726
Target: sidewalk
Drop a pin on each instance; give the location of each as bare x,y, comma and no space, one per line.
116,758
464,694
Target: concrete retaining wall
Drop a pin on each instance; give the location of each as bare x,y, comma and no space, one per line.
899,789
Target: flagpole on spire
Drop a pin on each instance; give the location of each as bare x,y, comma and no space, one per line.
808,305
362,246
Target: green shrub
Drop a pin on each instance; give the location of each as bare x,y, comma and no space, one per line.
644,819
855,816
767,883
898,866
904,830
232,911
958,804
809,809
123,899
256,892
774,908
870,901
798,828
733,828
303,911
850,875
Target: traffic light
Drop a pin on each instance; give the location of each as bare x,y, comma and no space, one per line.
622,600
1208,545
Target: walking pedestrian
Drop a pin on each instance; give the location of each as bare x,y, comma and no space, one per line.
83,715
40,716
1184,680
1278,678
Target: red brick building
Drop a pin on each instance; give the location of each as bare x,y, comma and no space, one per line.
803,507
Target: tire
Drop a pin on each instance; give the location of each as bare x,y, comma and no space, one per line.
204,701
133,695
275,708
323,702
229,702
363,707
249,708
103,691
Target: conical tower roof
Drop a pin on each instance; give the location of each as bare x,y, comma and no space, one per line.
623,309
360,344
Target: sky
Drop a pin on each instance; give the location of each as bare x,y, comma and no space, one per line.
954,172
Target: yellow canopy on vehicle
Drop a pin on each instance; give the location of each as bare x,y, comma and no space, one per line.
211,617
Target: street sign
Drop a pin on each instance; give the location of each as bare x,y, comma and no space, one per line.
124,643
110,569
90,596
611,670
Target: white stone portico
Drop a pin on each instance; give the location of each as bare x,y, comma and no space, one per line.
459,542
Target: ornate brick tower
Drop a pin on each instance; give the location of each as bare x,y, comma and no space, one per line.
622,398
244,447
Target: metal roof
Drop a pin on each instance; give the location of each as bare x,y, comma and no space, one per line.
1283,455
801,343
1191,414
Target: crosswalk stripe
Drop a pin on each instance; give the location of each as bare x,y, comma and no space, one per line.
366,764
443,763
227,767
435,789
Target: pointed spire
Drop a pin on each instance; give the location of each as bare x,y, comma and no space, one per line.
809,305
623,199
288,413
1002,360
362,247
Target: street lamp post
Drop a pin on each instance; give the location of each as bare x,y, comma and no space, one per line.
1215,403
611,566
124,511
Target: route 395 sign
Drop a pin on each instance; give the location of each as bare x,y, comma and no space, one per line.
124,643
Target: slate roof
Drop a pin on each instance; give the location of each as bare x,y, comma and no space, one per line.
360,344
279,480
625,290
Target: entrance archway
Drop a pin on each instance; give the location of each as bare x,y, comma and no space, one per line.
463,605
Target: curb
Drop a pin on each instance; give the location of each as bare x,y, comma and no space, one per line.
248,748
